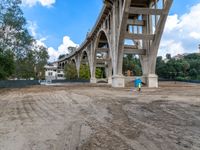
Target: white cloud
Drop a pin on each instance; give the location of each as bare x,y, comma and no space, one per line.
32,26
40,42
53,54
171,23
195,35
67,42
172,47
182,33
62,49
45,3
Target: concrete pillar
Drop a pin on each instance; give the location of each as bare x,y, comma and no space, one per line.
78,64
92,62
118,81
93,80
110,80
147,61
109,73
151,80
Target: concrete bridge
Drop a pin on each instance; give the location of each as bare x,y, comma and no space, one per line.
123,27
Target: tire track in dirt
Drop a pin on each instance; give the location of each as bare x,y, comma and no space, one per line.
71,137
4,103
3,106
21,112
44,109
27,109
58,105
50,108
37,110
167,121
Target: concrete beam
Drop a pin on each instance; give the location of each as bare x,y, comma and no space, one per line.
139,36
102,60
102,49
147,11
135,22
129,50
103,41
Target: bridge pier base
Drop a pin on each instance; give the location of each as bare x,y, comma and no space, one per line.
151,80
93,80
109,80
118,81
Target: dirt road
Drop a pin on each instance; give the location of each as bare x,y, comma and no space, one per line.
100,118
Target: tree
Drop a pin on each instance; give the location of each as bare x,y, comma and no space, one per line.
41,58
15,41
132,63
61,56
168,56
14,35
183,69
186,67
160,64
99,73
71,49
6,64
26,59
25,66
193,56
70,71
84,72
193,73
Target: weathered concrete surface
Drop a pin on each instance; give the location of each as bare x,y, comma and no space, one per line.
93,118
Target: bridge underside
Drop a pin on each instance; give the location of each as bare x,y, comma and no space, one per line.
141,21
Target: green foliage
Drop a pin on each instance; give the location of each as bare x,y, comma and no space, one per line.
100,73
192,56
19,53
6,64
182,69
84,72
41,57
168,56
132,63
61,56
193,73
25,66
70,71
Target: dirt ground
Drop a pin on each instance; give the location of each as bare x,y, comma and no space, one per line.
85,117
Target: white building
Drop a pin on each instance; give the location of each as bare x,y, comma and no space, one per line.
53,73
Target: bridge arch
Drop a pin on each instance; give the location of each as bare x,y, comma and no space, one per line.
84,68
84,54
73,60
103,56
102,34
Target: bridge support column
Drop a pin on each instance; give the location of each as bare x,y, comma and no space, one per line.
118,81
148,69
109,80
93,80
151,80
78,64
109,73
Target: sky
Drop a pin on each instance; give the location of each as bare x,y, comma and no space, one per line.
58,24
